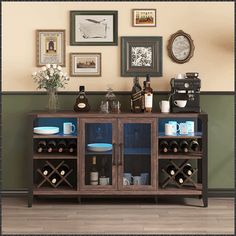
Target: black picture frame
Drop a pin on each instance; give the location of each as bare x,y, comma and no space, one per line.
149,60
86,37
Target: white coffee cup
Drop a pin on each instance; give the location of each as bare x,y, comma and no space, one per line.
164,106
125,181
180,103
68,128
104,180
168,129
183,128
137,180
180,76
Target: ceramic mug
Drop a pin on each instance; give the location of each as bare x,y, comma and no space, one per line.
183,128
180,103
164,106
136,180
190,125
144,178
125,181
168,129
68,128
128,176
104,180
175,127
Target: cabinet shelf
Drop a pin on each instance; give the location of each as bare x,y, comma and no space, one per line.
52,157
186,190
55,136
180,157
61,190
196,135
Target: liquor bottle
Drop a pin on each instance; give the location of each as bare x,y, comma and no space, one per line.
174,146
61,146
81,104
46,169
187,169
179,178
51,146
63,169
143,96
184,146
136,97
54,178
72,145
41,146
171,170
148,95
164,146
194,145
94,172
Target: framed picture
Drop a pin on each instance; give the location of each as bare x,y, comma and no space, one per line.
93,28
50,47
144,17
141,56
85,64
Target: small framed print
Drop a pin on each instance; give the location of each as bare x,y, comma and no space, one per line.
85,64
93,28
50,47
141,56
144,17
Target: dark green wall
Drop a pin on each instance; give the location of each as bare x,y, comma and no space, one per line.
15,124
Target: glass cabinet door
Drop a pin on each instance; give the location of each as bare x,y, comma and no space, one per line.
136,159
98,160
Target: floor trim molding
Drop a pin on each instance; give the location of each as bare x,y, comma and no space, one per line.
212,192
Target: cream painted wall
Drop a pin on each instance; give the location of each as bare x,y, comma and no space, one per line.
210,24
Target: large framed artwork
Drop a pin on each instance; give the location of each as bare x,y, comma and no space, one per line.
85,64
144,17
93,28
50,47
141,56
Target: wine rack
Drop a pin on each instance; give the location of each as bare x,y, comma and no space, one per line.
67,180
179,169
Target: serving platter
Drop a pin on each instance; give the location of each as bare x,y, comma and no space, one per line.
99,147
46,130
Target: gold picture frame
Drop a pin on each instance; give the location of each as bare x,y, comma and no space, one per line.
50,47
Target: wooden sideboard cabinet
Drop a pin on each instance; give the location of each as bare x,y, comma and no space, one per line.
135,163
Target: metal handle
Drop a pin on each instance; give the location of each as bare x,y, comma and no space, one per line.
113,154
121,154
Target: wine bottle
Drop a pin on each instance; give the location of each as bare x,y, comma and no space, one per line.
136,96
148,95
143,96
41,146
94,172
51,146
171,170
184,146
194,145
187,169
72,145
63,169
179,178
46,169
174,146
61,146
54,178
81,104
164,146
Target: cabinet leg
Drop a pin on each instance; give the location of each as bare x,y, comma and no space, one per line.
79,200
205,201
30,200
156,199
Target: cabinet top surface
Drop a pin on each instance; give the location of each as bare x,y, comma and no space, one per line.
111,115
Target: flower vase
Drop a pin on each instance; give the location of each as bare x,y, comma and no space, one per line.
53,103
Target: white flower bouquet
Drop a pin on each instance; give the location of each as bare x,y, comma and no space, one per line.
50,77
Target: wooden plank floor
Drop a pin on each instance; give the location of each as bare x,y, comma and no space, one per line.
169,216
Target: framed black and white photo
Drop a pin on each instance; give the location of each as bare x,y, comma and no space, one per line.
85,64
50,47
141,56
93,28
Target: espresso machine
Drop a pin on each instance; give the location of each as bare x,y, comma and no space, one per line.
186,89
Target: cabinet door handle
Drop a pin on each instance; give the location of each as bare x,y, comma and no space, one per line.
114,154
121,154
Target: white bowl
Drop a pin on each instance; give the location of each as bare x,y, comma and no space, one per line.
99,147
